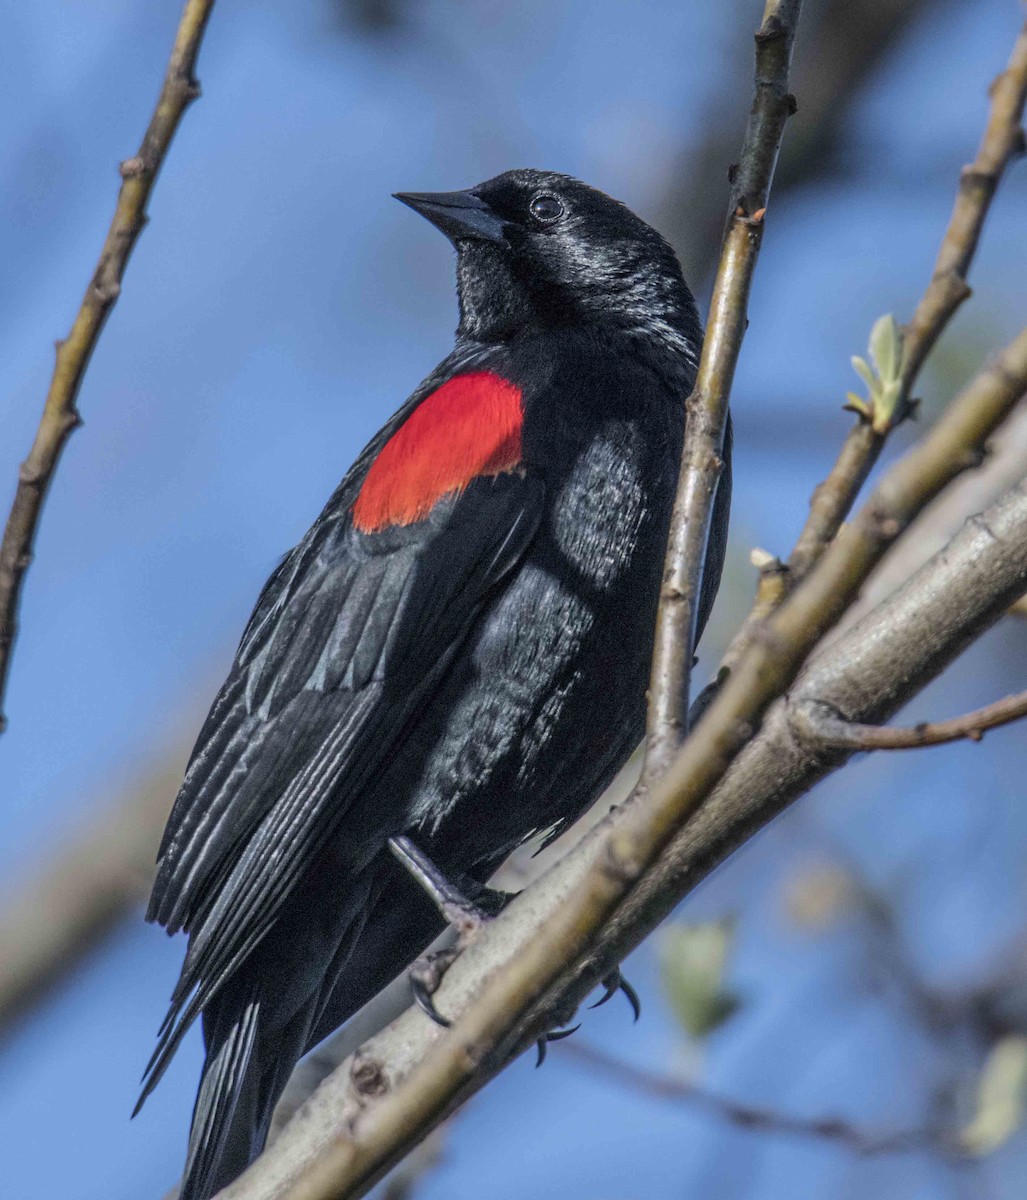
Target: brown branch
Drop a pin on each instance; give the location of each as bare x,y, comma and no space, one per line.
706,408
344,1134
1001,142
60,415
833,499
753,1118
819,723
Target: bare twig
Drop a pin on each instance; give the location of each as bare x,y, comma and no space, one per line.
819,723
343,1137
833,499
1002,141
60,415
706,408
755,1119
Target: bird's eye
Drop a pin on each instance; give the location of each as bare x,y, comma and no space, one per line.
546,208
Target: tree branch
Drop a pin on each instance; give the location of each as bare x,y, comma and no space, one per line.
818,723
379,1101
758,1120
60,415
706,408
1002,141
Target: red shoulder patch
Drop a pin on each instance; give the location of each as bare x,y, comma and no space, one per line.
469,426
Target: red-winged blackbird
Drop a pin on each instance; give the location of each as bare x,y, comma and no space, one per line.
457,651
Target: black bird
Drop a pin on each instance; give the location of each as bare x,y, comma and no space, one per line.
456,653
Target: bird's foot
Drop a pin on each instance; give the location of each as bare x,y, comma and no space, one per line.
466,916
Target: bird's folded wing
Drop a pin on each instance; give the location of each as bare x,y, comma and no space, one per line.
348,638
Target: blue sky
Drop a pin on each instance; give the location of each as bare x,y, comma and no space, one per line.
277,309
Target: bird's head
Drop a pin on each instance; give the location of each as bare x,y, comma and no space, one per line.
538,250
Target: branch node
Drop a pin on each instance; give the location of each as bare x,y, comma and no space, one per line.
368,1075
772,30
107,290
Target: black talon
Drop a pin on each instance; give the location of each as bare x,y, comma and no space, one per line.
611,983
615,982
465,904
425,1003
557,1035
425,975
632,998
554,1035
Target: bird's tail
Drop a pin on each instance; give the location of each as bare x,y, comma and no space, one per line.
221,1137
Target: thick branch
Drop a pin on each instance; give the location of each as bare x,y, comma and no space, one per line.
373,1108
818,723
60,416
706,408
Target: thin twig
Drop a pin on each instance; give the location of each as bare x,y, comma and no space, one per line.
753,1118
820,723
60,415
706,408
1002,141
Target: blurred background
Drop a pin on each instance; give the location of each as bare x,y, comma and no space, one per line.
842,1010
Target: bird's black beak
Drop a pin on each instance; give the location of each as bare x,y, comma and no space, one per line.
457,214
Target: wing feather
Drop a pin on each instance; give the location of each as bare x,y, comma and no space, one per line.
346,643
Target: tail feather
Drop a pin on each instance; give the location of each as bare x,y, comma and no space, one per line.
220,1141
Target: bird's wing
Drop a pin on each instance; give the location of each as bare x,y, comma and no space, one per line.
348,638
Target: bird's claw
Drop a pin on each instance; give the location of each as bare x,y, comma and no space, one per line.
614,983
554,1035
425,976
